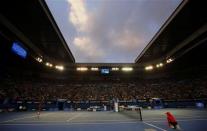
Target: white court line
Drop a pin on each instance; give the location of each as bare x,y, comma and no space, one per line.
178,117
185,117
24,118
154,126
74,117
194,120
204,119
84,121
75,123
89,123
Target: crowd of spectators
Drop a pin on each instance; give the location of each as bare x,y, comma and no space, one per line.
141,89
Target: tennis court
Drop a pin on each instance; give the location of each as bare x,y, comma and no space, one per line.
153,120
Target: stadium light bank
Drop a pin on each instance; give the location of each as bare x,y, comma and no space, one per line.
148,68
39,59
48,64
59,67
94,69
159,65
81,68
169,60
127,69
115,69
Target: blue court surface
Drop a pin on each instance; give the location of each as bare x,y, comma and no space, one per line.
153,120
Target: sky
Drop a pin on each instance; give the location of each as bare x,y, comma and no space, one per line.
109,31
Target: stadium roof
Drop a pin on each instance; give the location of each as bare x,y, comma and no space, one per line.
30,22
184,30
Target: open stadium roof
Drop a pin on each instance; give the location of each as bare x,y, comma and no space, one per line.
184,30
110,31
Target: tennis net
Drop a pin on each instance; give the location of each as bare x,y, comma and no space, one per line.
132,112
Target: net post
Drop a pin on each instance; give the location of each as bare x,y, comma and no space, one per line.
140,113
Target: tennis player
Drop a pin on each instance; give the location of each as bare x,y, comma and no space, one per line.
172,122
38,111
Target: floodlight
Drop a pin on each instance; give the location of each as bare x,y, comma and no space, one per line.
39,59
59,67
81,68
94,69
150,67
159,65
115,69
169,60
127,69
48,64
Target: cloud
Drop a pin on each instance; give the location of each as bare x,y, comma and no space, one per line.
84,45
126,40
111,30
78,14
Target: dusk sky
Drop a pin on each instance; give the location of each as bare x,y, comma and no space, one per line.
109,31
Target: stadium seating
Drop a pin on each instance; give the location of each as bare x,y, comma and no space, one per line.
167,89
